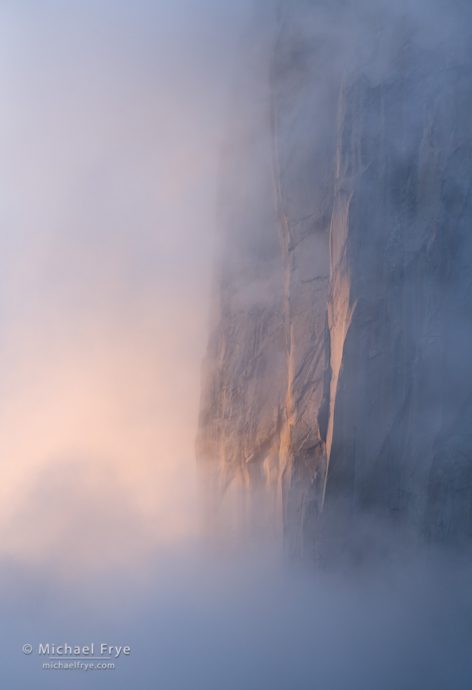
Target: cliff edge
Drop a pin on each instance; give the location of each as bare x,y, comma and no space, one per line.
337,378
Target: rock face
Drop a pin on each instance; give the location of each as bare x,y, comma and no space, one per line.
338,370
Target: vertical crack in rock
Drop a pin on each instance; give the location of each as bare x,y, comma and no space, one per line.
337,377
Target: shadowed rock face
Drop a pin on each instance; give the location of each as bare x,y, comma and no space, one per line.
338,371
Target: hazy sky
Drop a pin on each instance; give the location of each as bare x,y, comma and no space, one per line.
111,121
111,124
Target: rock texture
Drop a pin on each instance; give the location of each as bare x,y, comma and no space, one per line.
338,370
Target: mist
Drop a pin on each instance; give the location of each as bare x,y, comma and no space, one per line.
252,621
111,126
119,122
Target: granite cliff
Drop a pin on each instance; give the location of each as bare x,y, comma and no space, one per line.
337,378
